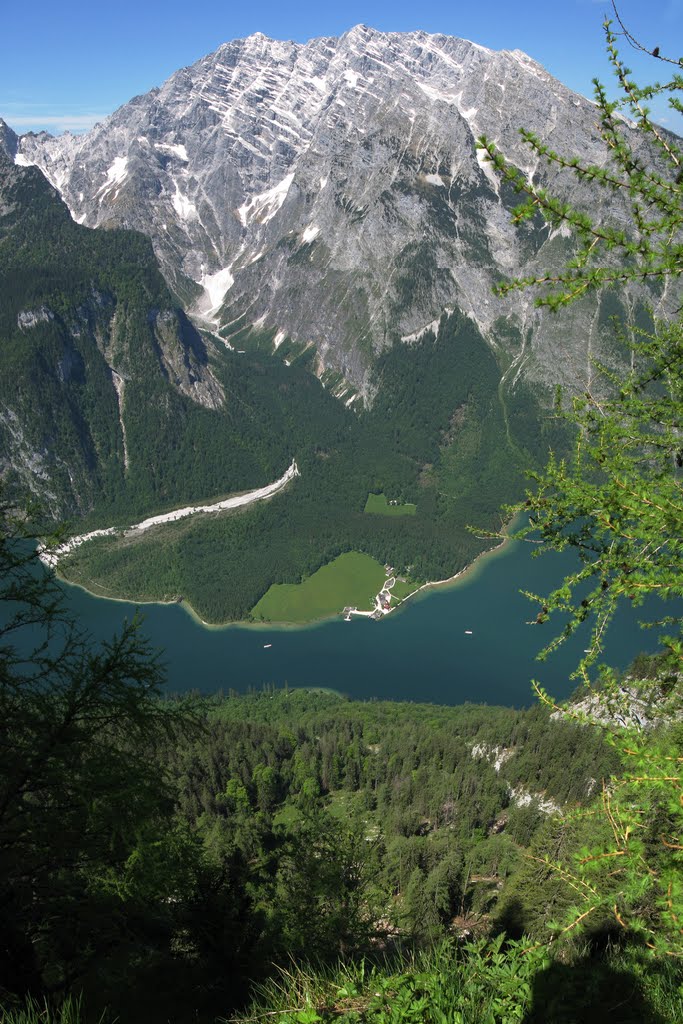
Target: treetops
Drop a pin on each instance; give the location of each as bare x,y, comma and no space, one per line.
618,500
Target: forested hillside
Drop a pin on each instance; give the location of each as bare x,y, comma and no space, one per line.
109,408
195,846
440,435
161,857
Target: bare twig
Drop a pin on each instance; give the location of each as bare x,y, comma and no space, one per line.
654,52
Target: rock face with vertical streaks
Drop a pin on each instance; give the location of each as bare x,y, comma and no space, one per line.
330,193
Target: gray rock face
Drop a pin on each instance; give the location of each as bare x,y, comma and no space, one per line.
8,141
29,318
331,193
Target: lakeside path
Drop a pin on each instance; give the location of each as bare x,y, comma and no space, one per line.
52,556
382,602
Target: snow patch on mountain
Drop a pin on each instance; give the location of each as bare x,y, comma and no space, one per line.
263,207
116,174
437,95
311,232
419,334
469,113
216,286
177,150
185,209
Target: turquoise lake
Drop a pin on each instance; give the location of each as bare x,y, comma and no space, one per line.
421,652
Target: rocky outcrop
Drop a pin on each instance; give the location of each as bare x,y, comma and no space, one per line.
518,795
635,704
29,318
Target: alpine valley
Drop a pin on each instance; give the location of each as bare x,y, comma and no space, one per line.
285,253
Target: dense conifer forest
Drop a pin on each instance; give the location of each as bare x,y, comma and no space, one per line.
160,857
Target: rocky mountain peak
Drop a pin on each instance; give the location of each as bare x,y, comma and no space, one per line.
8,141
330,192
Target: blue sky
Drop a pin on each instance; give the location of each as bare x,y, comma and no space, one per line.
66,65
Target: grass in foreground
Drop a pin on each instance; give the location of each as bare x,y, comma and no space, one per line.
351,579
377,504
32,1012
485,982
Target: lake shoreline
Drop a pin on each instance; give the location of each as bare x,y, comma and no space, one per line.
467,573
463,640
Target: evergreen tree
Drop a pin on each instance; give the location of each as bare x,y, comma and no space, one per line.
618,502
86,840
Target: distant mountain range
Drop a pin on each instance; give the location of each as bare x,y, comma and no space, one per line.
330,195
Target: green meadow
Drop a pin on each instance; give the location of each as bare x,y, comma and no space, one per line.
351,579
403,588
378,505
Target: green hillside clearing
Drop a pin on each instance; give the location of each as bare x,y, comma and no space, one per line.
377,504
351,579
